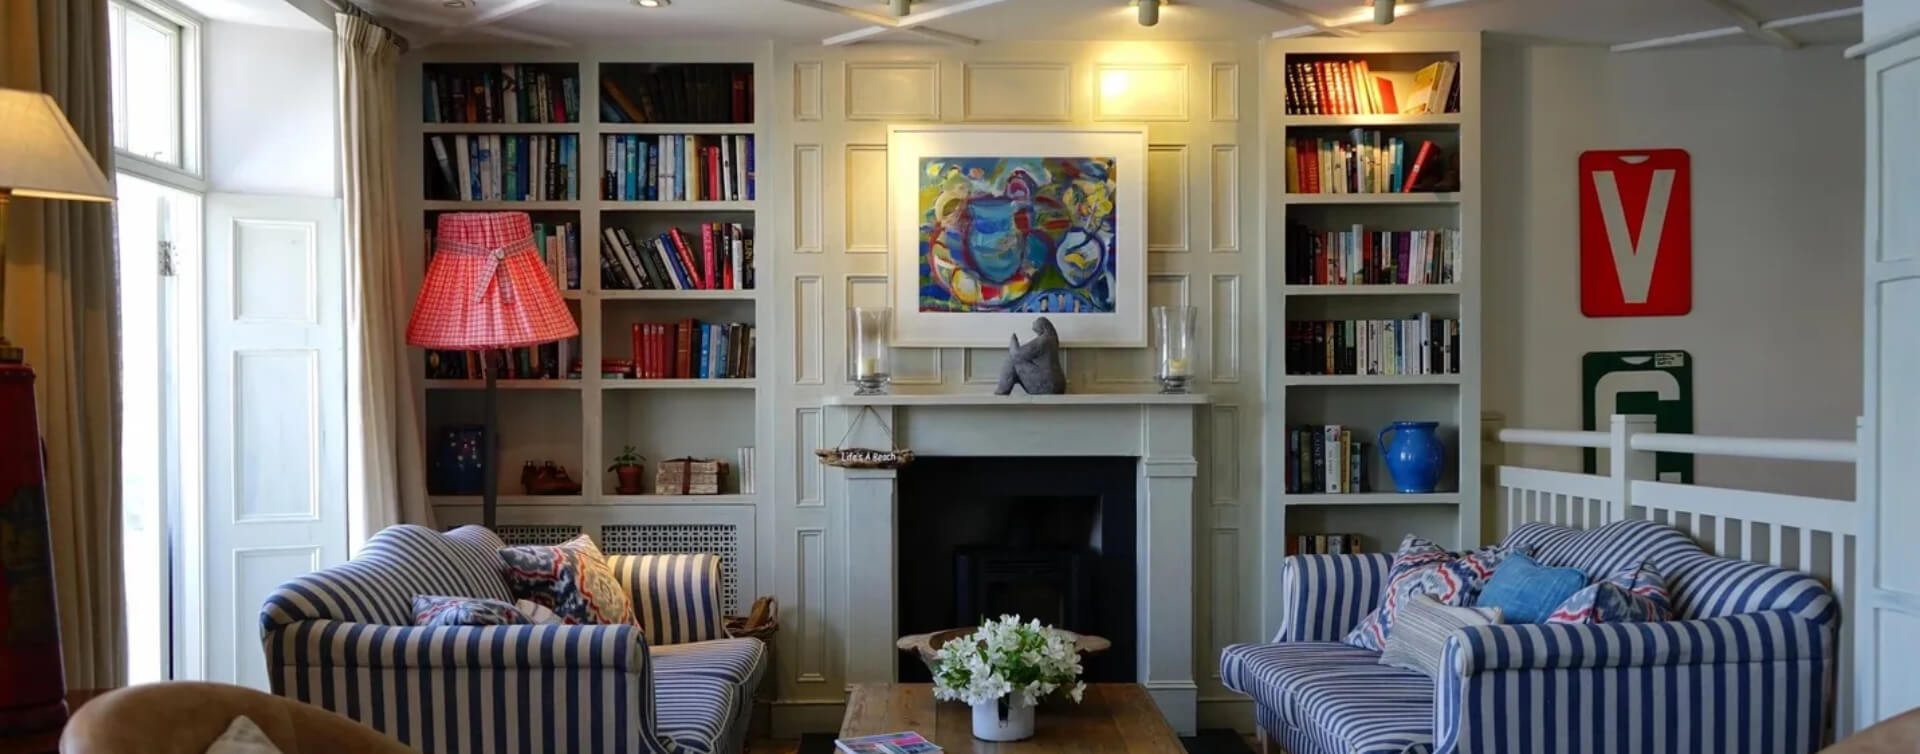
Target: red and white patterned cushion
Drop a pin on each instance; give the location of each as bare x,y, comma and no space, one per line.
1635,594
1422,567
571,579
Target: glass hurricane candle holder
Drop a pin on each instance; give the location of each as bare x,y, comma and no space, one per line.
869,334
1173,338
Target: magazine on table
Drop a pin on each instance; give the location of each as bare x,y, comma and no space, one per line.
905,742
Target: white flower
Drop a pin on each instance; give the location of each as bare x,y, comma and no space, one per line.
1007,657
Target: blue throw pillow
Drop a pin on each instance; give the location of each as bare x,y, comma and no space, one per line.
1527,592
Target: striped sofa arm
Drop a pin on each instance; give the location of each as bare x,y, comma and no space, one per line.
677,597
1325,596
520,689
1754,682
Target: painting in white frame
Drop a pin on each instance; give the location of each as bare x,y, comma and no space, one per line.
991,226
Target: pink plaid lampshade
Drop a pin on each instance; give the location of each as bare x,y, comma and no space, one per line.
487,288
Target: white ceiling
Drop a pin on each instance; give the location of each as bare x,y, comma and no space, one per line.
256,12
1579,21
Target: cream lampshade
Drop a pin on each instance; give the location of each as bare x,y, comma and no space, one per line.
40,157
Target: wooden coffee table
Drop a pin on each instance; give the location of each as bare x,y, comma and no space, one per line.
1112,717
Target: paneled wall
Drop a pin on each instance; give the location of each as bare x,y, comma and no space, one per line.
826,241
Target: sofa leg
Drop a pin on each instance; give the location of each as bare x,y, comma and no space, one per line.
1260,735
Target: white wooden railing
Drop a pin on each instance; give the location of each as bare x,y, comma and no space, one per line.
1811,534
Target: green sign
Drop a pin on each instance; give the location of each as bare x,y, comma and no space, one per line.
1659,383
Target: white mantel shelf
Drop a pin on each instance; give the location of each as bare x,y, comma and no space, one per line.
1020,399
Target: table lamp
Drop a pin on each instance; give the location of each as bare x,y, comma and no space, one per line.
40,157
487,289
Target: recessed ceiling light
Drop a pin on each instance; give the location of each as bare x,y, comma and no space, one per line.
455,3
652,3
1149,11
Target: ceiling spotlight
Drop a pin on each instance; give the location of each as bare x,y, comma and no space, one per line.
901,7
653,3
455,3
1383,12
1149,10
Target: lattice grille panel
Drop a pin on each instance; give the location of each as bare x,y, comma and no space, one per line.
536,534
719,539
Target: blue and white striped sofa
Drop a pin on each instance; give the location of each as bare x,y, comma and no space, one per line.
342,638
1747,665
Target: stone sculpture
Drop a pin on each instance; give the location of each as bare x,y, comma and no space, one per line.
1034,365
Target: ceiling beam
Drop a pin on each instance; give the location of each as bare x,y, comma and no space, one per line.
504,11
434,31
889,22
1338,26
1734,31
1320,24
1751,25
908,21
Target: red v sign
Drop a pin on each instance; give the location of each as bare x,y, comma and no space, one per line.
1636,233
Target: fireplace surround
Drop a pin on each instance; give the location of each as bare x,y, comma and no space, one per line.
1152,435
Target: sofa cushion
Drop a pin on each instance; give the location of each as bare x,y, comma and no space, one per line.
441,610
1419,639
676,597
572,579
1527,592
1630,595
1339,695
735,661
1422,567
693,711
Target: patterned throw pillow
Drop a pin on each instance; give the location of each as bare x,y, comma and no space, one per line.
1527,592
1419,640
571,579
1635,594
440,610
1422,567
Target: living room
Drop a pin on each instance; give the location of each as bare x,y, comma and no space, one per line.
1320,375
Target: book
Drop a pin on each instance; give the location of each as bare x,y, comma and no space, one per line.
906,742
1372,346
1420,161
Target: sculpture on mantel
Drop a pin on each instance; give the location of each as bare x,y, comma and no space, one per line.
1034,365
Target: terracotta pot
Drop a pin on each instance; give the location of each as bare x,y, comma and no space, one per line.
631,479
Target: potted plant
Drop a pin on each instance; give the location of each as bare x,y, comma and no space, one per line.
1003,669
631,468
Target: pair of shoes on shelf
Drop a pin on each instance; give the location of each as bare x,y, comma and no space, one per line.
547,479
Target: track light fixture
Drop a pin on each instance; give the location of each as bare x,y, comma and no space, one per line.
1149,10
1383,12
901,7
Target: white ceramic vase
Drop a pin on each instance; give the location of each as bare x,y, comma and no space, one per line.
990,725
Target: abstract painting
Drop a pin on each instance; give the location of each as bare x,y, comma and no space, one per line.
1018,234
992,226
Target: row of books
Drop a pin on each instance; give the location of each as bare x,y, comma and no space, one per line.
1371,257
678,167
506,93
1365,162
1421,344
1324,544
691,350
1326,458
542,362
504,167
683,93
722,260
1337,87
558,245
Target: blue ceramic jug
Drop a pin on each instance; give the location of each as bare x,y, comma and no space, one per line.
1415,457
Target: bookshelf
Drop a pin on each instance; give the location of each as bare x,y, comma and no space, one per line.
1362,401
582,422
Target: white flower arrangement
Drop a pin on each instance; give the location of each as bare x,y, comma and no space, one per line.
1006,657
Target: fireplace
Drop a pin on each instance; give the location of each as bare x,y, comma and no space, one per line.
1050,538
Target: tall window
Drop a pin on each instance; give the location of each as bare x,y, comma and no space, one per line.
155,57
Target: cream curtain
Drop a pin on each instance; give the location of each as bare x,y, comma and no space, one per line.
61,308
385,467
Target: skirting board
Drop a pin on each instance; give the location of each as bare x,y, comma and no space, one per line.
794,717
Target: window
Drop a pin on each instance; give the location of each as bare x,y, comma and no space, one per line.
154,106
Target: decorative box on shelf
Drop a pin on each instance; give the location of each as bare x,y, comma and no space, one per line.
691,476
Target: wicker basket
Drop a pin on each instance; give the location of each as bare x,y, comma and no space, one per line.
769,625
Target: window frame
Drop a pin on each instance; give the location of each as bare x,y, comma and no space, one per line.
190,173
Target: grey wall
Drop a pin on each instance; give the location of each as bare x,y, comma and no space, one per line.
1776,145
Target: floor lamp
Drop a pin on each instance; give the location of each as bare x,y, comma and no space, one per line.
486,289
42,158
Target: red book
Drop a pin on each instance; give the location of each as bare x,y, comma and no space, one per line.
1310,174
1388,104
740,98
725,237
713,173
685,252
662,348
639,353
706,256
1419,161
1324,81
683,350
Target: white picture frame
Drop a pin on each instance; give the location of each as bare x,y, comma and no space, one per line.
907,145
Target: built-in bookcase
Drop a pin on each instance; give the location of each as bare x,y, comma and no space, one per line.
584,420
1368,396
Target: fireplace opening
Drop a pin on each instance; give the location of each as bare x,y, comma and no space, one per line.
1048,538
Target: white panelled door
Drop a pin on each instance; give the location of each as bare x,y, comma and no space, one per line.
275,432
1888,616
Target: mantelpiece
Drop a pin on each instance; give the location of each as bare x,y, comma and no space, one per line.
1158,430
